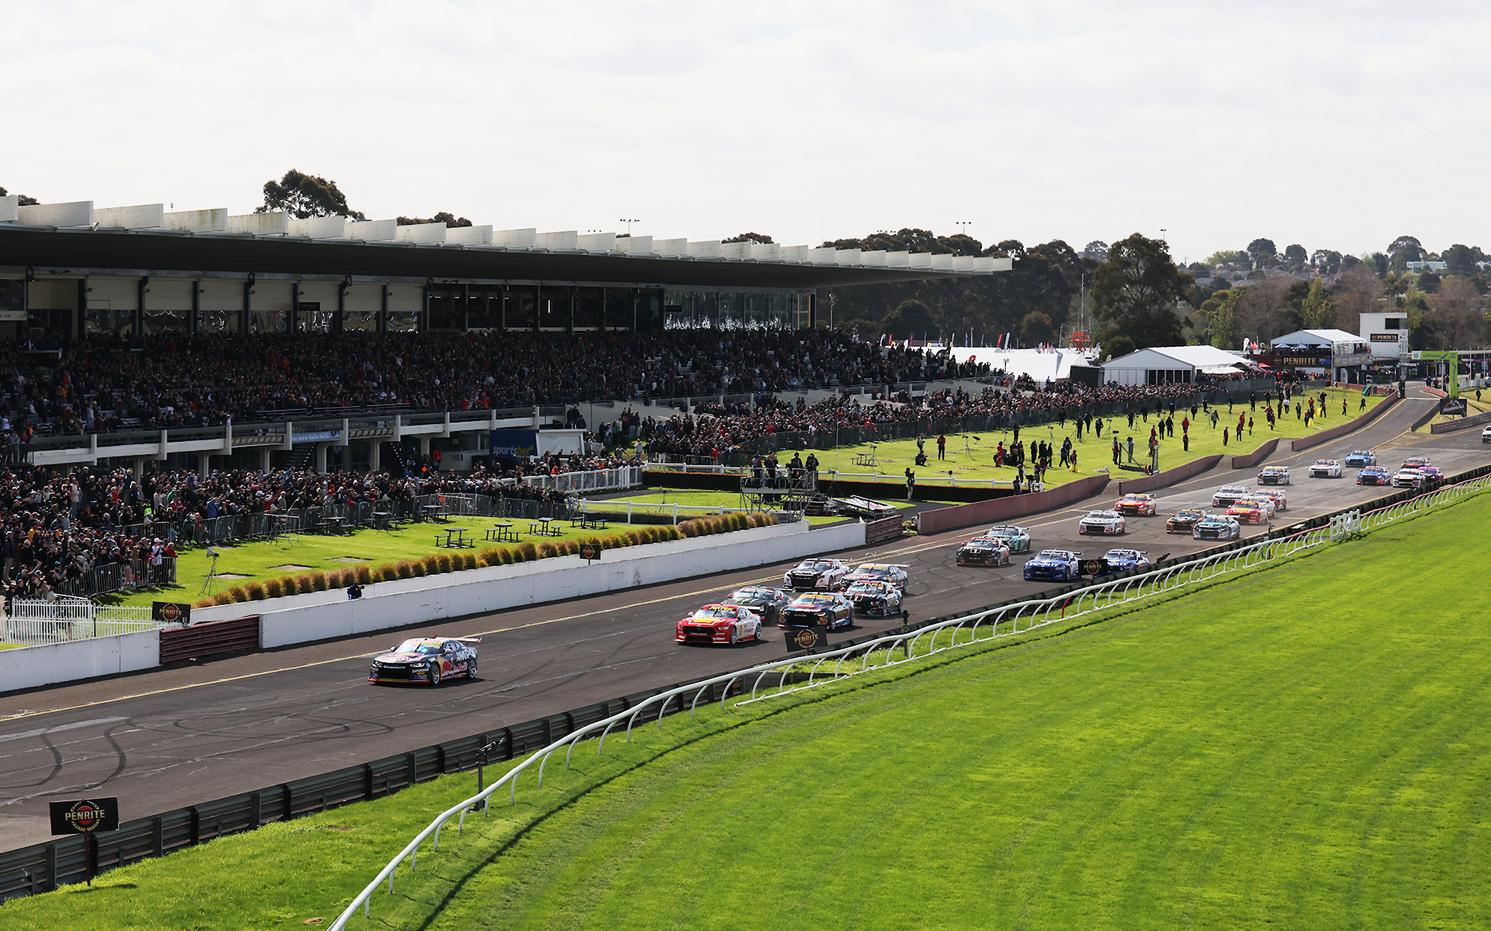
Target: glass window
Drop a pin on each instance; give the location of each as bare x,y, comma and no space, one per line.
12,294
311,318
649,310
553,307
403,321
360,321
618,309
484,308
166,321
589,303
269,321
217,321
108,321
447,309
520,310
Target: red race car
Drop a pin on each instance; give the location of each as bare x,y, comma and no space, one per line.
719,623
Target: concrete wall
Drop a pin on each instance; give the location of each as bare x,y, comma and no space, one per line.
1004,509
1256,456
30,667
169,294
1324,436
1464,423
225,294
116,293
1169,477
388,605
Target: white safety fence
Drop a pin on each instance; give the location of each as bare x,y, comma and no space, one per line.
40,621
796,674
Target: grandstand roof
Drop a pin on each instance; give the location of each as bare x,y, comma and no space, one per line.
147,237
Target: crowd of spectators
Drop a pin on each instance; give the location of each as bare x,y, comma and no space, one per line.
178,381
714,431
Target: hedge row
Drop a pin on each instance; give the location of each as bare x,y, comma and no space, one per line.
437,563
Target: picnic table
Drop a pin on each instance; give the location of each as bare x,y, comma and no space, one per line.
588,522
334,524
866,459
382,520
431,512
454,538
543,527
502,532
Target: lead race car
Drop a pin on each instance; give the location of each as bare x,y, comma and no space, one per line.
1227,494
874,598
719,623
1053,566
816,574
427,660
984,550
829,610
1139,505
1016,538
1325,468
1107,523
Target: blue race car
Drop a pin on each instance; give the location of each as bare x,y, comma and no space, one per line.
1053,566
1360,458
1122,560
1374,475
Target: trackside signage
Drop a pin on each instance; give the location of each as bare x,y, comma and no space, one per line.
85,816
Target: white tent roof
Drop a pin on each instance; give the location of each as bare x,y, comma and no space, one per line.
1037,364
1307,337
1206,358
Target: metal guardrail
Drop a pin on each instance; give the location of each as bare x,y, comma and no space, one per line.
1034,613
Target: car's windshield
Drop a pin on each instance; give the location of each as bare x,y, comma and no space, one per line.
714,611
748,597
418,646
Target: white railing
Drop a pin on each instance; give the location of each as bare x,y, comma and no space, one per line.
897,649
617,479
40,621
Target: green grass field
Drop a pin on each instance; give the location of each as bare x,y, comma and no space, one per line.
1093,453
1302,747
661,501
305,551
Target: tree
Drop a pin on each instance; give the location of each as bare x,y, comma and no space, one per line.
1117,347
1097,251
1317,310
303,196
1036,328
1326,261
1462,260
910,318
1295,257
1456,313
1264,253
758,238
1135,293
1220,313
442,217
1231,259
1357,292
25,200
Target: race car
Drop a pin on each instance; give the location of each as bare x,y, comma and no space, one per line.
1374,475
1432,474
1408,478
1107,523
1325,468
765,601
874,598
820,574
1184,520
1360,459
1273,475
1228,494
1016,538
430,660
1415,462
829,610
878,572
1251,510
984,551
1053,566
1140,505
1122,560
1276,495
1217,527
1486,435
719,623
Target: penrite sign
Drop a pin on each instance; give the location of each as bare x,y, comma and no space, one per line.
85,816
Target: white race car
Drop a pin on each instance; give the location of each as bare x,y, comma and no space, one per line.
1276,495
878,572
1107,523
1228,494
1325,468
1408,478
816,574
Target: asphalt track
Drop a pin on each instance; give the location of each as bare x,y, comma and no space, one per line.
181,736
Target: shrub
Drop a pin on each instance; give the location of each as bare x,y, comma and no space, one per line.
465,561
222,598
546,550
256,591
443,563
406,568
525,552
505,557
275,587
691,528
429,565
363,574
491,556
312,582
202,603
569,547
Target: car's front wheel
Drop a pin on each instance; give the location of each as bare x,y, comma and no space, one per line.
435,676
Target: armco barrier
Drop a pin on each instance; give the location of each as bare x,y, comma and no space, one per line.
1464,423
884,530
1169,476
46,866
30,667
1256,456
216,638
900,648
1351,426
1008,508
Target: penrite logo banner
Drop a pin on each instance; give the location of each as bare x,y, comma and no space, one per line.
170,612
85,816
805,638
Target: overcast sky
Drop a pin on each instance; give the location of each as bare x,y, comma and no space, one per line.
1333,124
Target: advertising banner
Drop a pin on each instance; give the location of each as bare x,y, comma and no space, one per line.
514,443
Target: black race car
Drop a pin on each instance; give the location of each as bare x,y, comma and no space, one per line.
764,600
